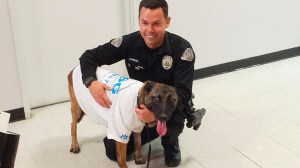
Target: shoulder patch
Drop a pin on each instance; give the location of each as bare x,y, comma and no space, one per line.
188,55
117,42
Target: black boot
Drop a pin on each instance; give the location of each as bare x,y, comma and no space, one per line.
172,156
171,149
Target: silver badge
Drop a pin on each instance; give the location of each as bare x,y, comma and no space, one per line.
188,55
167,62
117,42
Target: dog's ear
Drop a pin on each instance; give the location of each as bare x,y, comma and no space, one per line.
148,86
145,90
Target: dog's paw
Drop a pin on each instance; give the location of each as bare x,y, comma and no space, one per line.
75,149
139,160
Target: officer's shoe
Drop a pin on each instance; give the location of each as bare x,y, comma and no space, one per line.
172,156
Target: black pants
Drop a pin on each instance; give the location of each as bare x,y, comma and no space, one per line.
175,127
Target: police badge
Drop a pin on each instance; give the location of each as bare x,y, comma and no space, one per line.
117,42
188,55
167,62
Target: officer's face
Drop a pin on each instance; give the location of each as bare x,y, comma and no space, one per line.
152,26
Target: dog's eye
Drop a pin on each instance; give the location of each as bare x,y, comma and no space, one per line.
155,99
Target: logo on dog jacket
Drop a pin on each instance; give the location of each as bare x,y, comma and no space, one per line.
115,81
115,89
123,136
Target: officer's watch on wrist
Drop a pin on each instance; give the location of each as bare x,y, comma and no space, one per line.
87,82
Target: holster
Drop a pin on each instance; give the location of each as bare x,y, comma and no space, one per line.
193,116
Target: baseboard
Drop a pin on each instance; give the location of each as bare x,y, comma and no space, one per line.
16,114
244,63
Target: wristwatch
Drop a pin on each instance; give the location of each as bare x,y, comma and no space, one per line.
87,82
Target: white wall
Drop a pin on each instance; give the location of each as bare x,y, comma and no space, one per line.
225,31
10,90
50,37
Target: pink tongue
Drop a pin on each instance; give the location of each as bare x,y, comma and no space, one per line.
161,128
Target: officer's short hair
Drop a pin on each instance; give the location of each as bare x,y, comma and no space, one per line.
154,4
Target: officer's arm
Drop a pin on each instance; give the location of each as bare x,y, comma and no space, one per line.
183,80
183,77
106,54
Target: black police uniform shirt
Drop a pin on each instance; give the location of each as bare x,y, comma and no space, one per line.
171,64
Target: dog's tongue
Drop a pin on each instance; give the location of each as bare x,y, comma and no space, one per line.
161,128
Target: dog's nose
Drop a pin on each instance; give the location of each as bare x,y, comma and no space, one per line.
163,117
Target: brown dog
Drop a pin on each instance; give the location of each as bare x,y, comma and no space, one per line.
161,99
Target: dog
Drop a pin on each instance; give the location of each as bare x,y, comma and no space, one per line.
120,119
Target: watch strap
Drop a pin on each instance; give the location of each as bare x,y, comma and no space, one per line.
87,82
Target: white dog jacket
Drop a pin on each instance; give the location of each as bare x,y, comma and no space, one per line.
120,119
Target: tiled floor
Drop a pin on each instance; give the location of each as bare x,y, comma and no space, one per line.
252,120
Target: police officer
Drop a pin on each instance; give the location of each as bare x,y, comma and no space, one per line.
150,54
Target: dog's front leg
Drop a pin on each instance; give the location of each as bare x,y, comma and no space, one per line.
121,150
137,149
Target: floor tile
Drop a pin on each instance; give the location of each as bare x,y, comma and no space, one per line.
294,163
202,143
270,124
238,133
266,152
290,140
228,159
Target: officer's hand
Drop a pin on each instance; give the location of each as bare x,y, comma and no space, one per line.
97,90
144,114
